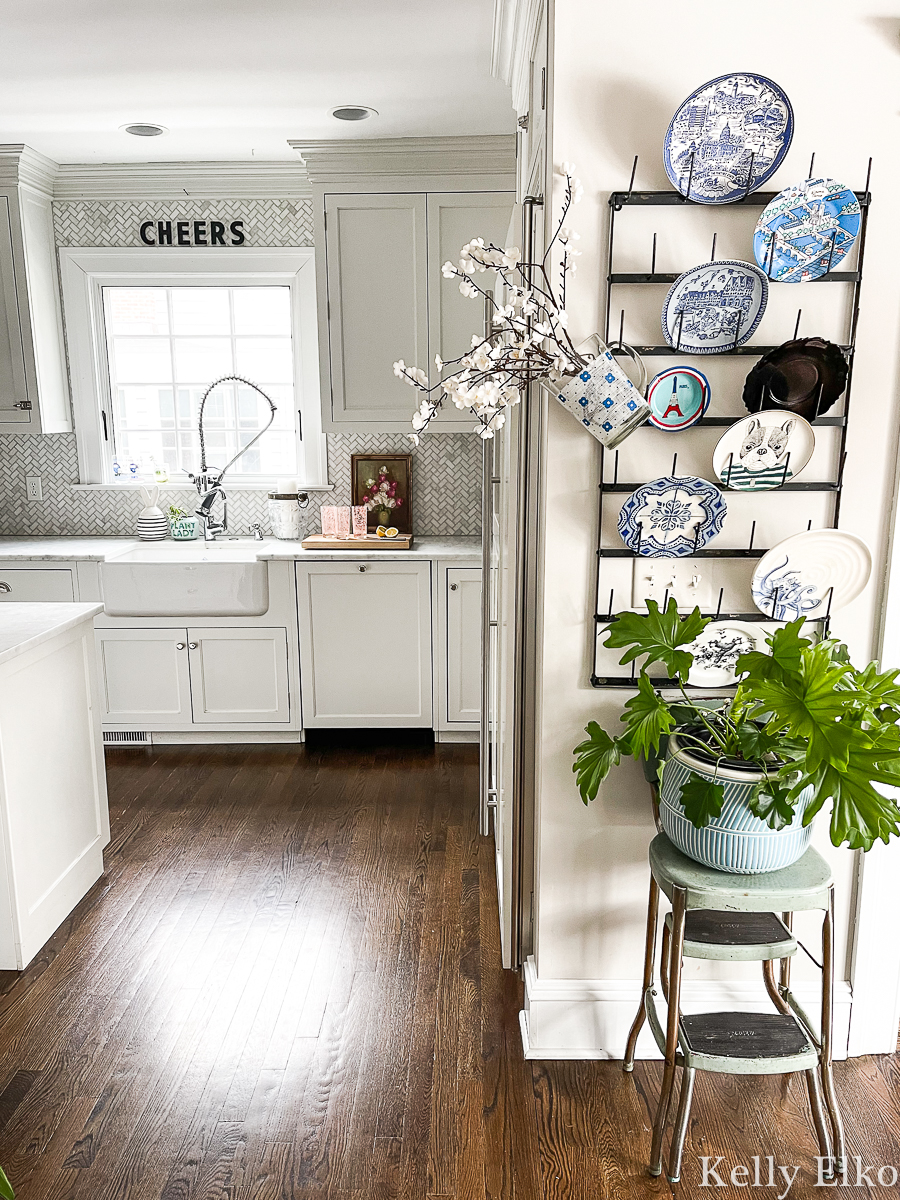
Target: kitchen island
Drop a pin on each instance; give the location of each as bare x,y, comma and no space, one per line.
54,818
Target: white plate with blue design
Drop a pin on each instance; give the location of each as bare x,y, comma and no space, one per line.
672,516
764,451
717,649
811,574
677,397
806,230
728,138
715,307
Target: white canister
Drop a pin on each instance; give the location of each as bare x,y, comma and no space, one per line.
284,513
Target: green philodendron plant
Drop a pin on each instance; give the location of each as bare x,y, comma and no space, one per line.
802,713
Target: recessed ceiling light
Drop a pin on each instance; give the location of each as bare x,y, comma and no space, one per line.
353,112
144,129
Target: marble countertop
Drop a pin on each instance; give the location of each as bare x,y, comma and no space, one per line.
24,626
98,549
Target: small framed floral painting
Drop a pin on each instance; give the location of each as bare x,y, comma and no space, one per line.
383,483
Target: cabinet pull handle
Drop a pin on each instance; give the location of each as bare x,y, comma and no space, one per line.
179,645
192,645
361,569
4,587
453,587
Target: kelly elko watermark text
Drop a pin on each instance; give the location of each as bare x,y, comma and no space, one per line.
766,1173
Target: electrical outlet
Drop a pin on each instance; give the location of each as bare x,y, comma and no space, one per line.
33,488
689,580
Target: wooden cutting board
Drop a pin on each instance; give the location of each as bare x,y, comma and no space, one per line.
321,541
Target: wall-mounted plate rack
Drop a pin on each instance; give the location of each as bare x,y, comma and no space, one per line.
619,202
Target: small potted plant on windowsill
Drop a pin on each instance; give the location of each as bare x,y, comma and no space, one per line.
741,778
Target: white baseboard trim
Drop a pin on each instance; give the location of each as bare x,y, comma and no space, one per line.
214,737
457,735
590,1018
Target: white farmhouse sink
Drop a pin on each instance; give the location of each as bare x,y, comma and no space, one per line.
193,579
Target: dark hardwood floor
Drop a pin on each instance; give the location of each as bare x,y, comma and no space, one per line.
287,986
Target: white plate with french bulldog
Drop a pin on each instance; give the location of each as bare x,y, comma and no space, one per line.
764,451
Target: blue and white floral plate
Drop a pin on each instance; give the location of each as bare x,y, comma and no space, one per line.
677,397
806,230
717,649
728,138
810,574
672,516
714,307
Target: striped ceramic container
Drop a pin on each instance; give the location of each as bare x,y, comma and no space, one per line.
735,841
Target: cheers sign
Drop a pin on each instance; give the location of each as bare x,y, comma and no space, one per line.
192,233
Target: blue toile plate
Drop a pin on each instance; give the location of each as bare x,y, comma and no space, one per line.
806,230
715,307
728,138
672,516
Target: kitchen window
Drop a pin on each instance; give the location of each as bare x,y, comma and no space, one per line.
149,330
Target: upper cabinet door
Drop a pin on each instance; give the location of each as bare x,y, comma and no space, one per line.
455,218
13,385
377,278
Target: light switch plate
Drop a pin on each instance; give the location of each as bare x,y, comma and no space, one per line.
689,580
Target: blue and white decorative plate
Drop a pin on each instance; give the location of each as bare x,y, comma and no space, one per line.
677,398
811,574
672,516
728,138
715,307
717,649
806,230
764,451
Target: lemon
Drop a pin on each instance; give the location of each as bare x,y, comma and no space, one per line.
392,532
381,531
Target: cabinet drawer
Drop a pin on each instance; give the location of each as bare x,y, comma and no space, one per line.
42,586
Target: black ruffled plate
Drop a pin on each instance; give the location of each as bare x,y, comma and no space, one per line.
805,376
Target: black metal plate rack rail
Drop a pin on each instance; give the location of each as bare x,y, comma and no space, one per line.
619,201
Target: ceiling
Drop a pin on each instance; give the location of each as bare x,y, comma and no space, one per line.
234,79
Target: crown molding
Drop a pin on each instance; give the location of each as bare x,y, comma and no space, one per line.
20,165
180,181
478,157
516,24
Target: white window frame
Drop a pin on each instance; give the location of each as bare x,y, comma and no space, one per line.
85,272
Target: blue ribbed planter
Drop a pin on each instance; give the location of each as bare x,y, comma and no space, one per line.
736,840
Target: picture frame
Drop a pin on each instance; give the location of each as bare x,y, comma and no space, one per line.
398,468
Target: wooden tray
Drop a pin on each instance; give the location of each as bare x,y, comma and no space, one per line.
319,541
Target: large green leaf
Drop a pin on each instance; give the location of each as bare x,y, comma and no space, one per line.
6,1191
771,802
786,647
879,690
594,759
658,635
647,719
702,800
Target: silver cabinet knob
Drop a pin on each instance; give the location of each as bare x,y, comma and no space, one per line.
362,569
192,645
4,587
453,587
179,645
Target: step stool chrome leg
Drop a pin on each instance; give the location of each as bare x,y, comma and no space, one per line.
681,1124
831,1100
649,952
674,1015
818,1114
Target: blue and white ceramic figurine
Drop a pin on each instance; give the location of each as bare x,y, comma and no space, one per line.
604,400
714,307
671,517
806,230
728,138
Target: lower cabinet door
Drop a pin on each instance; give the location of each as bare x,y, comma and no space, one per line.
463,644
239,675
365,644
43,585
144,678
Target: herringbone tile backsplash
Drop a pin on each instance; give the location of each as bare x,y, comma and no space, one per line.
446,467
446,487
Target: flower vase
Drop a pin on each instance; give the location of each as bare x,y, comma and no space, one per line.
384,517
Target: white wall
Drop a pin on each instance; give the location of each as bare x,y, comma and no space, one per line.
619,74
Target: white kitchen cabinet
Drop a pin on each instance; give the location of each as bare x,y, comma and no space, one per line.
463,645
386,299
239,675
177,678
145,677
41,585
365,644
34,394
